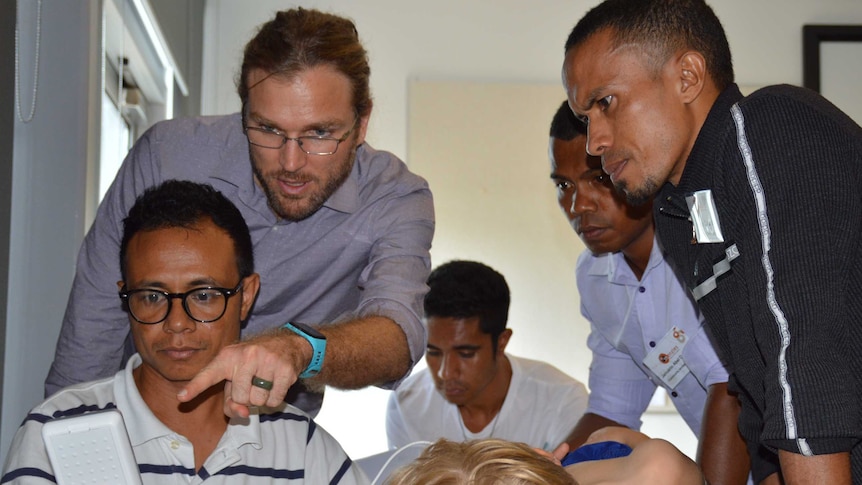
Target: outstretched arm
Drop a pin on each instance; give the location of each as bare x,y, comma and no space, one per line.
361,352
384,335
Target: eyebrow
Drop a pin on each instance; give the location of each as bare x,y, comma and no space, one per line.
458,347
320,125
261,119
203,282
591,99
197,283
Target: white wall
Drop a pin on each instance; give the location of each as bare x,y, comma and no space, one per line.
495,40
54,182
506,41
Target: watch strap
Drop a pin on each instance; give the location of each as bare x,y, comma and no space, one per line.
318,347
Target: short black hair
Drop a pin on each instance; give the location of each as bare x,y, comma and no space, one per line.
661,28
179,203
467,289
565,125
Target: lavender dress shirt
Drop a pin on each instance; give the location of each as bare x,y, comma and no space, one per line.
365,252
628,318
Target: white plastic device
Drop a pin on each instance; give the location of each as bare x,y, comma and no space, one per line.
92,449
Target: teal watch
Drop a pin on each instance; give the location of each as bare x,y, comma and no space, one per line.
318,347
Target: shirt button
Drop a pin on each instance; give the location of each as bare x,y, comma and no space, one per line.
652,344
642,289
674,394
175,445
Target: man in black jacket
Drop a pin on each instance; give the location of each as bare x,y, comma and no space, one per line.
736,213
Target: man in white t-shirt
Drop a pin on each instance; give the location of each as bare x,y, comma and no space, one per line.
472,388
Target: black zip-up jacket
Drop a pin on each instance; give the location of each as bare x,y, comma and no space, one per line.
782,295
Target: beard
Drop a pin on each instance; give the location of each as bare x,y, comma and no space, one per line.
296,208
638,196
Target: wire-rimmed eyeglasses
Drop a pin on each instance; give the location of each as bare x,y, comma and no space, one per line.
312,145
204,304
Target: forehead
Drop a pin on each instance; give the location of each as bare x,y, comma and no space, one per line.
598,65
318,92
203,251
448,332
569,158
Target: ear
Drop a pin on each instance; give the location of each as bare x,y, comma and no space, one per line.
250,287
693,77
503,341
120,285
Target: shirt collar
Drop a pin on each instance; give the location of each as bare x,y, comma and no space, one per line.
140,422
617,270
346,198
698,170
142,425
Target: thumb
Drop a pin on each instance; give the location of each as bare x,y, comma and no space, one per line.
561,451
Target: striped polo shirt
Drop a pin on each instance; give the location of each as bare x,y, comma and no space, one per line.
272,446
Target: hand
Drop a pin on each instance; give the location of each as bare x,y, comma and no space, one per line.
277,357
560,452
556,456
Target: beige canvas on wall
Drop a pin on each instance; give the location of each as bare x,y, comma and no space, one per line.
483,147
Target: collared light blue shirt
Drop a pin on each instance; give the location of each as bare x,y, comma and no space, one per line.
628,318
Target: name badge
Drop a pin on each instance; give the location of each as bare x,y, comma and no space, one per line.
666,361
704,217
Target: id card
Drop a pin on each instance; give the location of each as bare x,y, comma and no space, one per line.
704,217
666,360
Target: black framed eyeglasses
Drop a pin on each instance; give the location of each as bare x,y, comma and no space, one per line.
204,304
312,145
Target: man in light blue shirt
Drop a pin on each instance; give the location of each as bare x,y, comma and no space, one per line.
646,331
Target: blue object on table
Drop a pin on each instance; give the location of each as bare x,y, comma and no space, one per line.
597,451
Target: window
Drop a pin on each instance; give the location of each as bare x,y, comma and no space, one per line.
138,79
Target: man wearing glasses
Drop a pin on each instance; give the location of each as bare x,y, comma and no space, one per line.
188,283
341,231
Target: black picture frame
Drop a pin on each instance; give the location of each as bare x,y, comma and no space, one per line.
812,37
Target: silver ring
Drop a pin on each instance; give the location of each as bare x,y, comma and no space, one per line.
261,383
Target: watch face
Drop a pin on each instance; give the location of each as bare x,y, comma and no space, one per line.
309,330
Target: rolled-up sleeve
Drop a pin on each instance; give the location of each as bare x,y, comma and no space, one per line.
393,283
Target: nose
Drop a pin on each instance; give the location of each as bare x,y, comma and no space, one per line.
291,156
583,200
448,367
178,321
598,137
